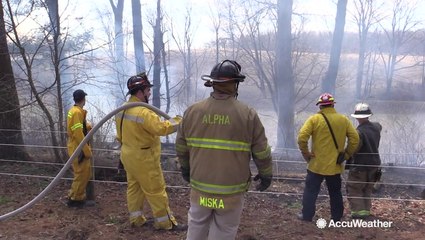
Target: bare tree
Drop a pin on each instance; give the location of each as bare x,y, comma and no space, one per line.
366,15
258,47
46,88
284,79
32,83
231,30
216,18
328,82
167,81
137,36
422,46
58,61
10,115
185,49
119,45
401,31
158,47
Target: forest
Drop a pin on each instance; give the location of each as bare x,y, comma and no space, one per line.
371,51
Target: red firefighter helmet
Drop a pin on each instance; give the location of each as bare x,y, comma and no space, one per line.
325,99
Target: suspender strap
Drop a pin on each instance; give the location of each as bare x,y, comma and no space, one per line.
330,129
121,124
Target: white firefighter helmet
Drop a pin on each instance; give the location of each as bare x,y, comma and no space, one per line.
361,110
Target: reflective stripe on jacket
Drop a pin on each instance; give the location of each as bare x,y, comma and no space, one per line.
323,146
76,120
143,128
216,140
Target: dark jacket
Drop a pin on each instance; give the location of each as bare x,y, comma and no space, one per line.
368,153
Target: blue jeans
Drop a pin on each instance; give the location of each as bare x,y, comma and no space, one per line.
312,189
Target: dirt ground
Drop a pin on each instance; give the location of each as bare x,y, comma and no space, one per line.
265,216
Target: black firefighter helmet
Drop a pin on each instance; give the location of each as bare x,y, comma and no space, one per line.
225,71
138,82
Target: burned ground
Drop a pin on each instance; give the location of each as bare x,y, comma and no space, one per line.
270,215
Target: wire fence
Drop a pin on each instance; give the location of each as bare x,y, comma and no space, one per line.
286,162
275,193
298,180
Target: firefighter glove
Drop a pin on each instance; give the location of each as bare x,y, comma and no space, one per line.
186,174
378,175
176,120
265,182
81,158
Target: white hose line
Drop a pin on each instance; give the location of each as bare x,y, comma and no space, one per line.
77,152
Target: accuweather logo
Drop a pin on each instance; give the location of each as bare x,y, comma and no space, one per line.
321,223
355,223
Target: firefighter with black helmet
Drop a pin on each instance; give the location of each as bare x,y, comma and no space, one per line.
138,131
77,129
215,142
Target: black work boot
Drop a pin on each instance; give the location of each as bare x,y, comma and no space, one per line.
179,227
75,203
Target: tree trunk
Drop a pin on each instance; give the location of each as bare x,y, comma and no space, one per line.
119,47
167,82
10,116
284,79
139,52
328,83
360,65
53,10
157,48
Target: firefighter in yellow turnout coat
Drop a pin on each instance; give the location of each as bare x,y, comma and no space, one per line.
214,144
138,131
327,130
77,128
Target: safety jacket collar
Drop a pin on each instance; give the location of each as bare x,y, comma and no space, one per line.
367,122
80,108
134,99
221,96
327,110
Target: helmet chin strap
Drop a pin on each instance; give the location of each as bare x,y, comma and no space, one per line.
146,97
237,86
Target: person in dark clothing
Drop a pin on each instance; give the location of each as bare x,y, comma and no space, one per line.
364,170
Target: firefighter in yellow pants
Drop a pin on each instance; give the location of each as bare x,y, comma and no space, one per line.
138,131
77,128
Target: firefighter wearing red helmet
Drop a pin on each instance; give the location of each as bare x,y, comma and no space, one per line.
138,131
215,142
329,132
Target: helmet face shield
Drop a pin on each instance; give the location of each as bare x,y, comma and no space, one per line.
226,71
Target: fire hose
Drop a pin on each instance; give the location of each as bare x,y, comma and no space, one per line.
76,153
